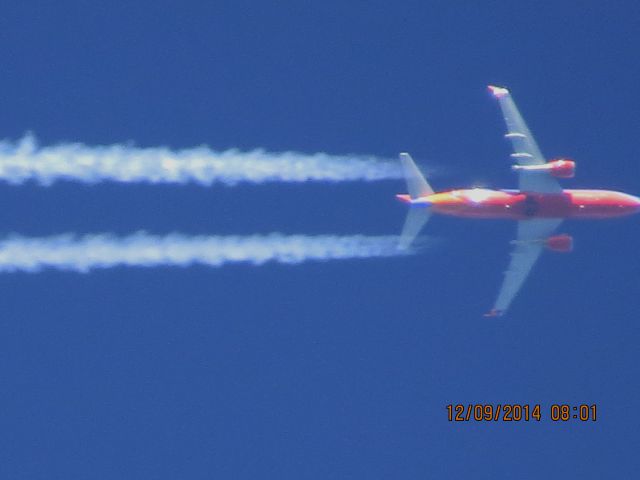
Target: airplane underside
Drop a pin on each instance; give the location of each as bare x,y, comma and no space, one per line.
539,205
510,205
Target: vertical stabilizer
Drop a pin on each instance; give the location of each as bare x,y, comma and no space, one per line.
416,183
418,214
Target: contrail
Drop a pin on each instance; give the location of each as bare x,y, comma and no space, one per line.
89,252
25,160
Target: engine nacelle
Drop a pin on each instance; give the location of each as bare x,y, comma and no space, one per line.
560,168
560,243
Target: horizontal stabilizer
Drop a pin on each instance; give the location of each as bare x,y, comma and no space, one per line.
417,217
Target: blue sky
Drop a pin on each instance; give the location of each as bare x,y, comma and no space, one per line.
326,370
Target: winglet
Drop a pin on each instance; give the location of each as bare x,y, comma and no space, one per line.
494,313
498,92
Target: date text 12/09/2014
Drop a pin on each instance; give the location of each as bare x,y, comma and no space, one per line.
516,412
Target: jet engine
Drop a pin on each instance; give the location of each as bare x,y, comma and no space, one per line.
560,243
561,168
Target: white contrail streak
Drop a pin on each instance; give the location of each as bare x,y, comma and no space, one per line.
26,160
82,254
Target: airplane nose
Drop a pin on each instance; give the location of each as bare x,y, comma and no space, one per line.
628,201
634,201
633,204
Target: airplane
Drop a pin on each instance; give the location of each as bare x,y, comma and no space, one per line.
539,205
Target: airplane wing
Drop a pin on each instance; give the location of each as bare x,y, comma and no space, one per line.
525,148
528,247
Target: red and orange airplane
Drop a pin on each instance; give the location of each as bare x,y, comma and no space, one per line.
539,205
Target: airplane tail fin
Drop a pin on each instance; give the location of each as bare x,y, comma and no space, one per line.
418,214
416,183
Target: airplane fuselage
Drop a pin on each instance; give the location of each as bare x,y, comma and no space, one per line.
516,205
539,205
